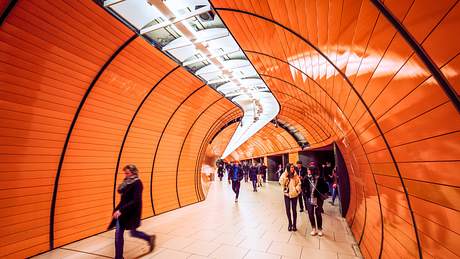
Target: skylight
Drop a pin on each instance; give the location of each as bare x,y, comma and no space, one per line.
194,35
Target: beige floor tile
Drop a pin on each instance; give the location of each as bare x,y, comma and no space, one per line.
318,254
91,244
278,236
206,235
285,249
201,248
229,252
342,256
177,243
304,241
169,254
196,257
256,225
334,246
258,244
232,239
260,255
344,237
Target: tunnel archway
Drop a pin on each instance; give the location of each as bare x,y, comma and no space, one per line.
82,95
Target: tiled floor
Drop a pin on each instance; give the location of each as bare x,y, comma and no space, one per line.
255,227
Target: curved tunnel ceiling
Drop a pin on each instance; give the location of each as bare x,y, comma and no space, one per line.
374,78
82,94
194,35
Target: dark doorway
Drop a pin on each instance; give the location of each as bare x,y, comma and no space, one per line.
273,163
332,155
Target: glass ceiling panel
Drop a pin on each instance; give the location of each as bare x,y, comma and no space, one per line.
195,36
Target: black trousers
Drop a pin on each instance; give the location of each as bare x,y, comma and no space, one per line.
236,188
291,204
301,201
254,184
315,211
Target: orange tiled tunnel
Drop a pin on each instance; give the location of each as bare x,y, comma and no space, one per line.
82,95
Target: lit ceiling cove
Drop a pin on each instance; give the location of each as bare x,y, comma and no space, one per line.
191,32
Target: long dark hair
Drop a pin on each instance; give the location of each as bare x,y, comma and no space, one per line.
288,170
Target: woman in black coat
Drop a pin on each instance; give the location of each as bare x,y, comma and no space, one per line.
127,215
315,191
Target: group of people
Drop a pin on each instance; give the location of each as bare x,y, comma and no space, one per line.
309,187
305,184
256,173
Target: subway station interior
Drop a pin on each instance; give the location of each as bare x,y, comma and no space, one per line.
177,87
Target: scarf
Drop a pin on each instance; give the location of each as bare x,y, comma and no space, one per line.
127,183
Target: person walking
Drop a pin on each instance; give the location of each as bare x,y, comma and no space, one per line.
279,171
335,187
301,172
235,176
263,171
246,171
220,171
315,192
259,175
253,176
127,214
290,182
228,168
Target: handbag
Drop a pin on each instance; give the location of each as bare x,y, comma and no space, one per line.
322,196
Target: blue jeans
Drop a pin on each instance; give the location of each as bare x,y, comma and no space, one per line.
119,240
335,192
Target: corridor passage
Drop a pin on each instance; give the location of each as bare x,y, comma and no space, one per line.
255,227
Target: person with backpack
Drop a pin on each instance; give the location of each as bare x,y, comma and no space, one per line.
235,175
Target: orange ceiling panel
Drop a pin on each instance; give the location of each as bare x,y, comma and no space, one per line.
381,80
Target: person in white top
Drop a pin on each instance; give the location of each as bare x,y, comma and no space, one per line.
290,182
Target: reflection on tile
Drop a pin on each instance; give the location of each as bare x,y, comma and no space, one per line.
230,252
256,227
260,255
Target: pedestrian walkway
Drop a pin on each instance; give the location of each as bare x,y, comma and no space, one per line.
255,227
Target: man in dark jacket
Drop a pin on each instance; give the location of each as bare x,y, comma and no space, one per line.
253,176
246,171
235,175
301,171
263,171
128,212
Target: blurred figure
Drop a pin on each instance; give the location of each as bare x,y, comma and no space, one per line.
335,187
301,172
279,171
263,171
246,171
315,191
235,176
259,175
253,176
229,168
327,173
290,182
220,171
127,214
